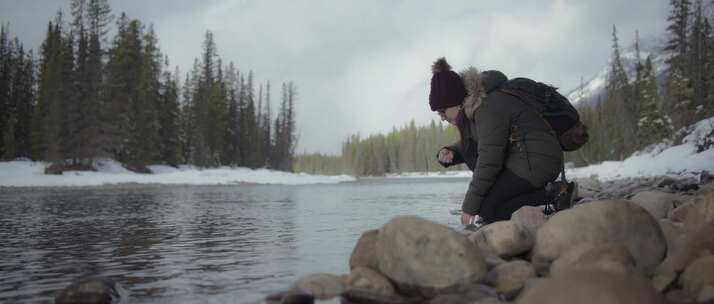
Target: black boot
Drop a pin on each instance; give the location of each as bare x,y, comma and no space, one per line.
563,194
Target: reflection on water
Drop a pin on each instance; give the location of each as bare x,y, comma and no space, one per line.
198,244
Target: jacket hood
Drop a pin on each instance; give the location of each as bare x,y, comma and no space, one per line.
478,84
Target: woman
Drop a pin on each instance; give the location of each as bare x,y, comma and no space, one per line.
511,150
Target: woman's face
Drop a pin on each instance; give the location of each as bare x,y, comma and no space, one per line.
449,114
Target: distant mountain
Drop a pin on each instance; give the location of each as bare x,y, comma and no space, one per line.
595,88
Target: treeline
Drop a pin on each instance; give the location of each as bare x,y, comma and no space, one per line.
17,95
633,114
637,112
410,148
86,98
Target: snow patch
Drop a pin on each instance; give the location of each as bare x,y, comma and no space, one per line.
24,173
658,160
444,174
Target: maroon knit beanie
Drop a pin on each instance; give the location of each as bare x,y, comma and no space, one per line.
447,87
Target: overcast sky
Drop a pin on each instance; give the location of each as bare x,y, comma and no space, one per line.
364,66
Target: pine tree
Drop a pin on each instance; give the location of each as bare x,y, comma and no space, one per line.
276,153
249,126
10,63
77,110
20,101
618,77
259,140
201,103
709,69
25,72
169,117
292,131
678,29
232,141
144,133
281,132
98,17
679,100
637,99
186,128
639,66
285,144
41,111
697,59
5,54
219,112
124,74
266,124
652,124
69,116
623,129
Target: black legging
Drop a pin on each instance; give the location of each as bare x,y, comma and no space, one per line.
509,193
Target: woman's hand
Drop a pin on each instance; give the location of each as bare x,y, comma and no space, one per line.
467,218
446,156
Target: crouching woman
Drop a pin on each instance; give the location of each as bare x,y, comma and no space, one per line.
511,150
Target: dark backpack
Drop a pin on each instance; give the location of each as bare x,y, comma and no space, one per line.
553,107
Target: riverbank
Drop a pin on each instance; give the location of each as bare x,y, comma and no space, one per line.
109,172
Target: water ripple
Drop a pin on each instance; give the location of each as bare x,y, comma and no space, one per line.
196,244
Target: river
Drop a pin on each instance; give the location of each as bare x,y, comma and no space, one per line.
199,244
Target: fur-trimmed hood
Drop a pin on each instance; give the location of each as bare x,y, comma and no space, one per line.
478,84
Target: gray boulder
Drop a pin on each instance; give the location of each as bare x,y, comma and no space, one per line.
450,299
698,275
91,290
297,298
591,287
706,294
476,292
364,253
460,299
425,258
372,297
673,233
320,285
612,257
657,203
694,213
692,246
289,297
678,296
510,277
368,279
504,239
492,260
471,294
614,221
530,218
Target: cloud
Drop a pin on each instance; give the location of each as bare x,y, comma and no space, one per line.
364,66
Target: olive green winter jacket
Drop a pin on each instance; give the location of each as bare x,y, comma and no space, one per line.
499,131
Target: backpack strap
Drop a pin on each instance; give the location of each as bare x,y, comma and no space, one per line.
562,170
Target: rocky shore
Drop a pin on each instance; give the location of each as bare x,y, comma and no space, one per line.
648,240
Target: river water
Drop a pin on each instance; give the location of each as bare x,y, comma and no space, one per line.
199,244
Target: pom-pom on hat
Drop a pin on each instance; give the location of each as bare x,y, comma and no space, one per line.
447,87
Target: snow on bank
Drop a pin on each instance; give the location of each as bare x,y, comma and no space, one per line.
661,159
31,174
440,174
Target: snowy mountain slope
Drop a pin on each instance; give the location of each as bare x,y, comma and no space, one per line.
591,90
